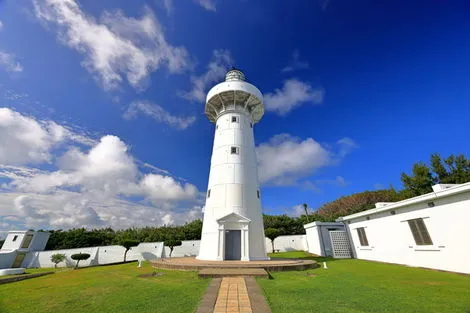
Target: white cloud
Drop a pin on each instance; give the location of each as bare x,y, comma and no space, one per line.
346,145
1,25
158,113
292,94
9,63
209,5
284,159
295,63
25,140
85,186
168,5
64,209
117,45
216,69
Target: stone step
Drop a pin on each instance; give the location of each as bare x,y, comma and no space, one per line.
227,272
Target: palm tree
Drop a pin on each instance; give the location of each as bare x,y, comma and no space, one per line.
306,211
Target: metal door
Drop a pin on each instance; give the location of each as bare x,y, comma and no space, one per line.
340,244
233,242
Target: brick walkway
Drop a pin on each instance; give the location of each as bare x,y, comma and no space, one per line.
233,296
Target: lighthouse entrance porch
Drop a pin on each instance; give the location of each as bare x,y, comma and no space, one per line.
233,239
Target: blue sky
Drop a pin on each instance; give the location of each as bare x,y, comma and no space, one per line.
102,124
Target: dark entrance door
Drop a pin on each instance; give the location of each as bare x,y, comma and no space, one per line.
233,245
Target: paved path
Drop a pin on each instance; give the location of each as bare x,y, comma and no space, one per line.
233,296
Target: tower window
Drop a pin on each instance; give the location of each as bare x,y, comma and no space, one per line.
233,150
15,237
257,193
208,193
234,119
251,125
217,127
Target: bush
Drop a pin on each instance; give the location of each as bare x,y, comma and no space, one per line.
80,256
171,243
127,244
57,258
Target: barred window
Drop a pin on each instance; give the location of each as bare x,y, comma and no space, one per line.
361,232
234,119
26,241
234,150
420,232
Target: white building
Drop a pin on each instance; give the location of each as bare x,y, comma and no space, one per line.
429,231
233,222
319,238
18,244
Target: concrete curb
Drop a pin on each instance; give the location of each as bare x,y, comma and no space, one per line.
257,299
210,297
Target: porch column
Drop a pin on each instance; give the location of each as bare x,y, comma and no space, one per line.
245,243
221,243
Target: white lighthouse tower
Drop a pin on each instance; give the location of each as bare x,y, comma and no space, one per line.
233,222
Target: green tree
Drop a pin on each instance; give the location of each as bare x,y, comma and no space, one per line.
305,206
452,170
57,258
172,243
79,257
420,181
128,244
272,233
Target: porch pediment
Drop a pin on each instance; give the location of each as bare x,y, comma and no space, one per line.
233,218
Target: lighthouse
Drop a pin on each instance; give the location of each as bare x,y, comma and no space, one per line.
233,222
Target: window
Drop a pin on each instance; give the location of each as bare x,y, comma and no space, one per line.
257,193
15,237
217,127
208,193
26,241
420,232
234,119
361,232
251,125
234,150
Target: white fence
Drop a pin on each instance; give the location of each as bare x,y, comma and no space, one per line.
98,255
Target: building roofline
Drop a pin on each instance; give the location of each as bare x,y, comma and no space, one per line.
419,199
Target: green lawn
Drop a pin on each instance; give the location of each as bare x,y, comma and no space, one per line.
114,289
362,286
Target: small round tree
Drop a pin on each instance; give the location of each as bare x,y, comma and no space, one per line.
272,233
57,258
79,256
171,243
128,244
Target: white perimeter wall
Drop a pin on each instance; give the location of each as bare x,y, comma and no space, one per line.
390,238
98,255
187,248
287,243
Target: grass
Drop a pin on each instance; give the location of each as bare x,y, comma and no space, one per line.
114,289
350,285
30,271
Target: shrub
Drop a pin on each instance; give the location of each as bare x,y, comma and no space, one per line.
171,243
128,243
79,256
57,258
272,233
